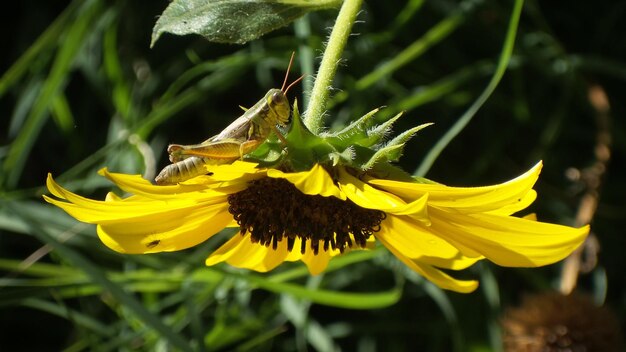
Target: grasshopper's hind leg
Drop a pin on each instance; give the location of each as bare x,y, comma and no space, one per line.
248,147
175,152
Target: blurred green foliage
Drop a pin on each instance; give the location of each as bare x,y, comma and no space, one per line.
81,89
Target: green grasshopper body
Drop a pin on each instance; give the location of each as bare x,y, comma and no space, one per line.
241,137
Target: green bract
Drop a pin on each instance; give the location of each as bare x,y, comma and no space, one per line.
362,145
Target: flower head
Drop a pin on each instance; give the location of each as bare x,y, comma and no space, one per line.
316,214
321,198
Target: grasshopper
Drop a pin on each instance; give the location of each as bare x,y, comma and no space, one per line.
241,137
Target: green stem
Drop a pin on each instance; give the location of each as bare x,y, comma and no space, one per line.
314,114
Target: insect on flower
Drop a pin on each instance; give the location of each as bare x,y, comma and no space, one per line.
241,137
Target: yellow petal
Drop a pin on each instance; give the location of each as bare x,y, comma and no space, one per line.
240,252
509,241
193,188
136,184
238,170
313,182
467,199
436,276
369,197
365,195
134,208
513,208
315,263
415,241
105,212
172,234
225,251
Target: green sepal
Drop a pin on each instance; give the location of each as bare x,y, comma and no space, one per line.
384,128
344,158
358,146
362,132
305,148
389,171
392,150
354,133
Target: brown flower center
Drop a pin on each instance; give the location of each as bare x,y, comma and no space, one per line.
273,210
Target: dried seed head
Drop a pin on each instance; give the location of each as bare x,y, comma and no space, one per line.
273,210
552,322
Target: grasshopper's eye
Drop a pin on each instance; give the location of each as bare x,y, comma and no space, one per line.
277,97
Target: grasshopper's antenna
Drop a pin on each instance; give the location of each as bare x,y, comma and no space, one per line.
292,83
293,53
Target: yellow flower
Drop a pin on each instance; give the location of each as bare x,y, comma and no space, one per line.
314,215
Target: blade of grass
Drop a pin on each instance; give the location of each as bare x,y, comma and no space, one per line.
446,307
491,291
65,312
503,62
437,90
39,269
121,96
242,59
56,80
45,42
434,36
167,108
96,274
62,114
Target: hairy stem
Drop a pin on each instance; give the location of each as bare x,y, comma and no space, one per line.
314,114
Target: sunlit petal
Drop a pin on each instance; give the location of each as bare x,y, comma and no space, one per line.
412,240
240,171
137,185
513,208
509,241
240,252
369,197
103,212
365,195
415,241
95,211
316,264
313,182
165,235
467,199
436,276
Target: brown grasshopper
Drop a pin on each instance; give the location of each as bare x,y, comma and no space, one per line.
241,137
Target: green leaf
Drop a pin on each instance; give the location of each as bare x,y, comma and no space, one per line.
232,21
